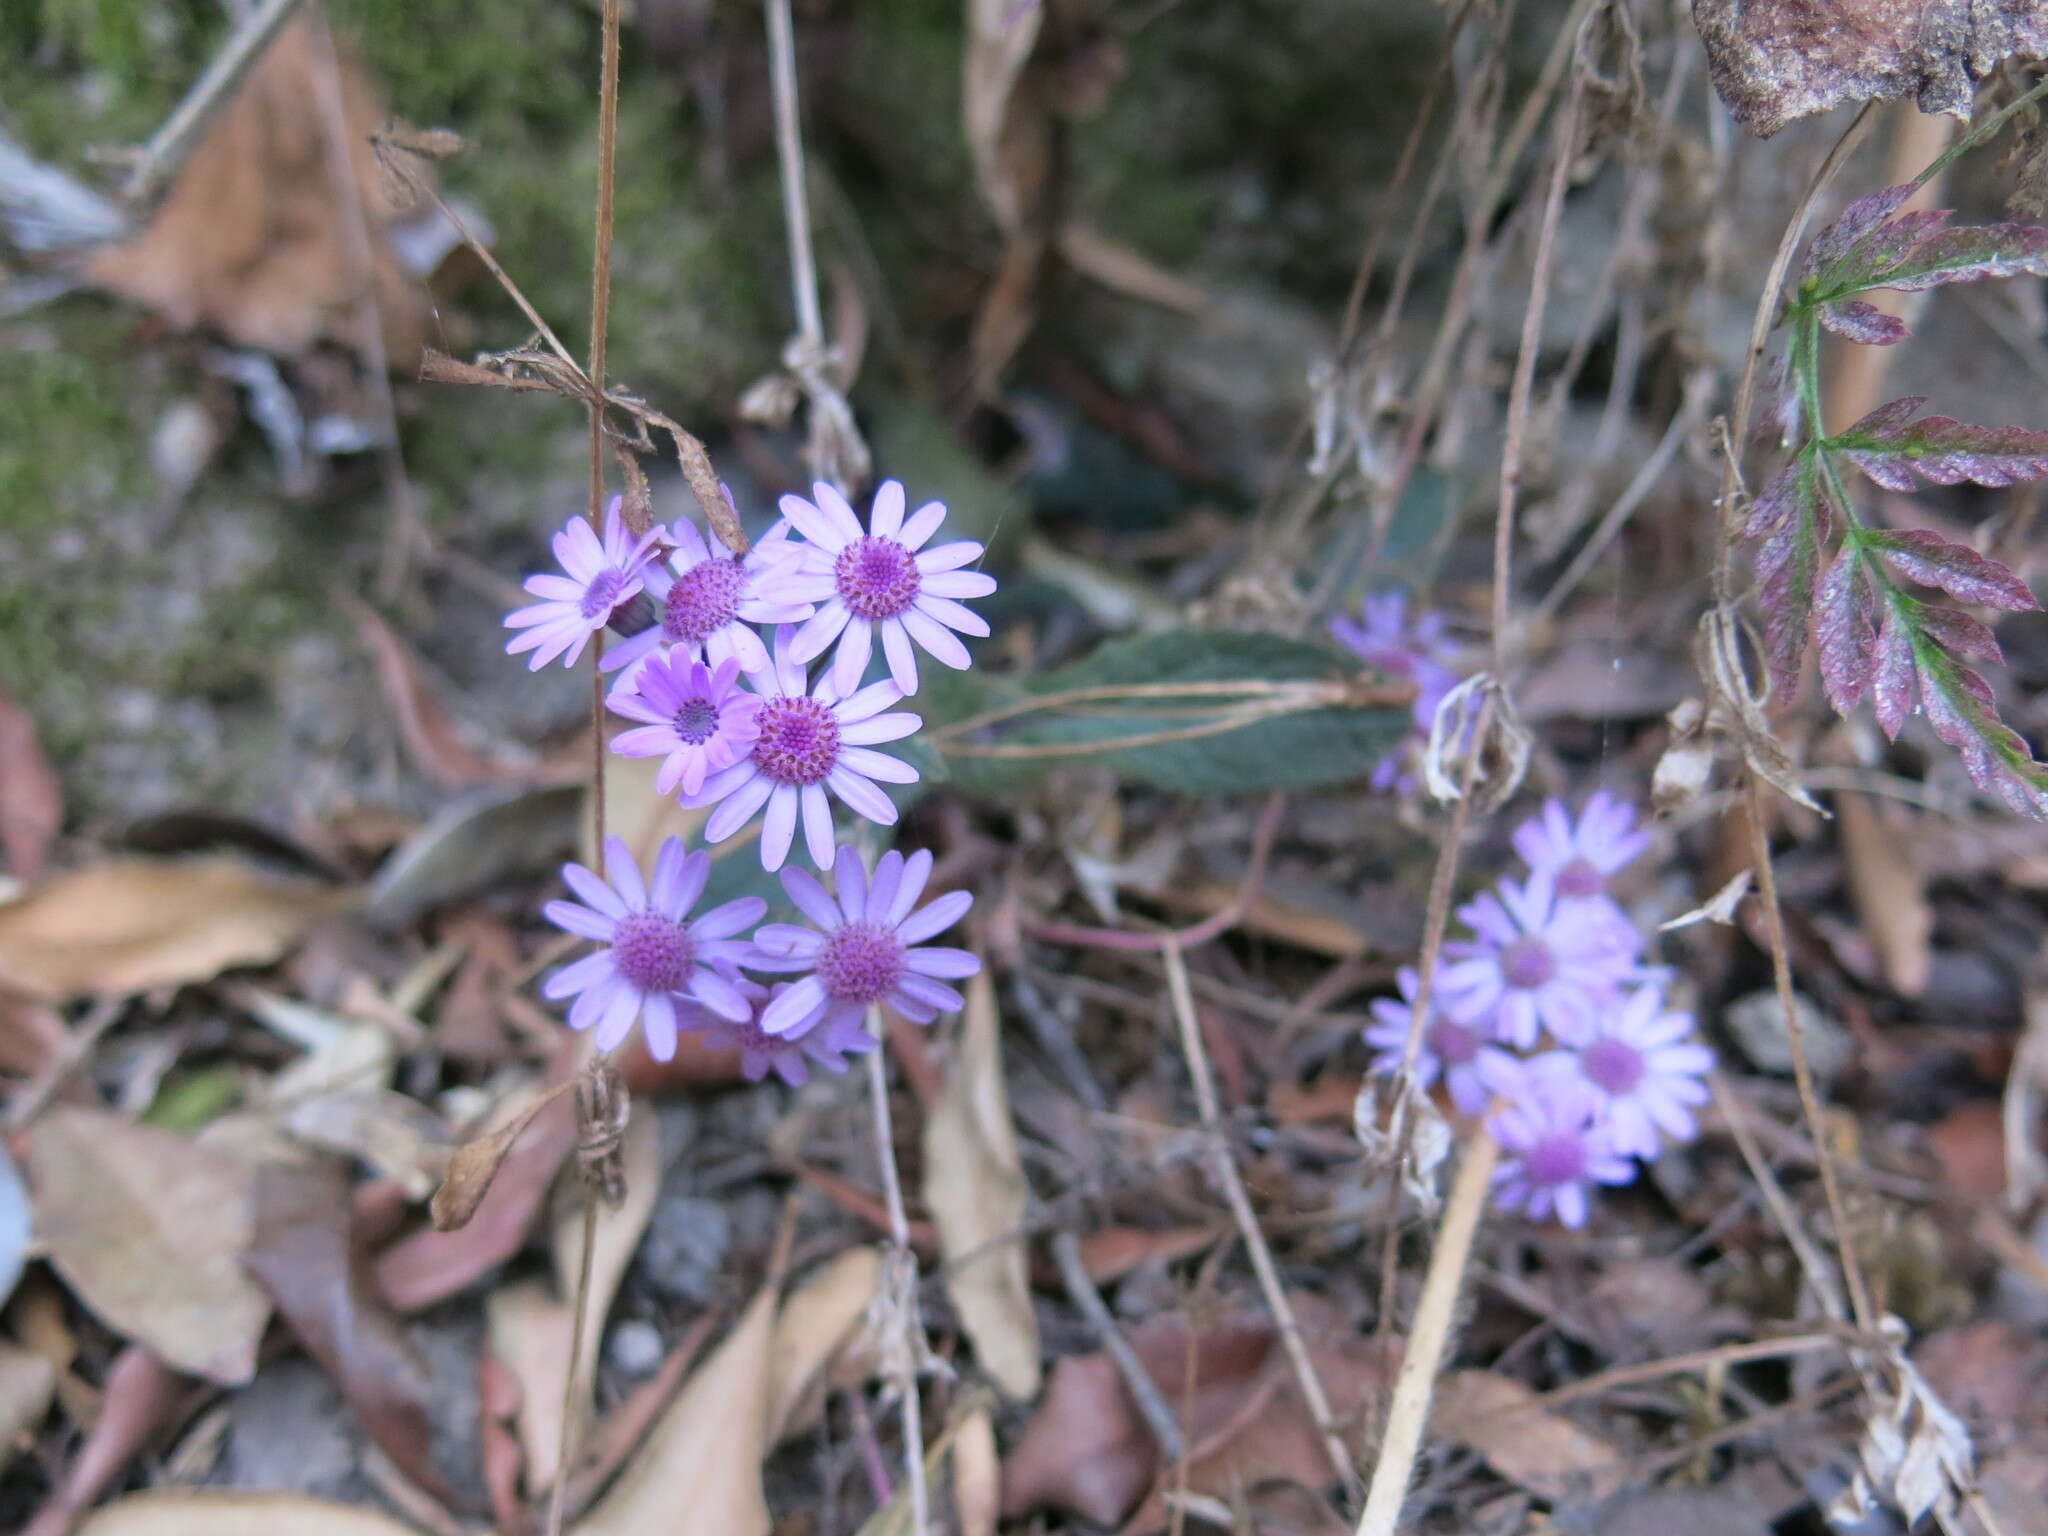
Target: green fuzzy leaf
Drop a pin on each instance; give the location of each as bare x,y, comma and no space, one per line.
1294,742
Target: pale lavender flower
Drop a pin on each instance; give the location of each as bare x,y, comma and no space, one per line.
880,580
701,720
1555,1146
1581,856
1536,963
827,1044
1416,652
1457,1050
655,957
1645,1067
868,946
708,598
597,575
809,741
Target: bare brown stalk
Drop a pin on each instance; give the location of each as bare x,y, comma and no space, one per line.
1820,1275
1564,145
1268,1273
1428,1333
1152,1408
903,1263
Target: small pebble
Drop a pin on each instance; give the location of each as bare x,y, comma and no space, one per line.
634,1348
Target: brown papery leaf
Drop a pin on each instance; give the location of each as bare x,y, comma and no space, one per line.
1777,60
141,1394
235,1512
27,1383
148,1228
133,925
476,1163
975,1187
31,805
305,1255
1529,1445
814,1329
699,1472
252,240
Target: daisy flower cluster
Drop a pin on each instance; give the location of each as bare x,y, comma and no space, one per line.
747,677
1413,648
1544,1018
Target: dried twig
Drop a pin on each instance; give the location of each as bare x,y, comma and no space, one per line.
1158,1417
158,162
1247,1220
904,1264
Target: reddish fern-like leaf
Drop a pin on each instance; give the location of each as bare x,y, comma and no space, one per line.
1861,320
1933,561
1891,448
1845,629
1915,250
1793,519
1964,714
1891,672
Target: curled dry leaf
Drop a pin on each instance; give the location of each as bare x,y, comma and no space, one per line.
476,1163
148,1228
699,1472
818,1326
1774,61
304,1254
1532,1447
975,1187
1717,908
132,925
235,1512
31,805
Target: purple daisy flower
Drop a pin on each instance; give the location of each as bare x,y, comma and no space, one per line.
880,579
808,740
1537,963
1455,1049
1416,652
1581,857
1555,1147
702,720
1646,1069
597,577
868,946
709,598
827,1044
655,959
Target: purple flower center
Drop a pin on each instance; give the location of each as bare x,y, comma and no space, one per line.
653,953
602,595
703,600
877,578
1580,878
1453,1044
1614,1064
696,722
1527,963
799,740
1557,1158
861,963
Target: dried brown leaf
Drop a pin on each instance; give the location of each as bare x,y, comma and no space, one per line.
148,1228
974,1185
817,1323
1777,60
617,1238
1529,1445
132,925
235,1512
699,1473
1114,1252
28,1381
529,1338
304,1254
140,1395
476,1163
31,804
1888,886
977,1476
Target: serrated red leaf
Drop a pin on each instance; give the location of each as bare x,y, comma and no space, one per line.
1851,224
1923,556
1891,448
1918,250
1964,714
1861,320
1845,630
1891,681
1775,502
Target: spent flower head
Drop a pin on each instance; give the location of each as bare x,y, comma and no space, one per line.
868,946
656,959
596,576
808,741
708,599
699,719
878,581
